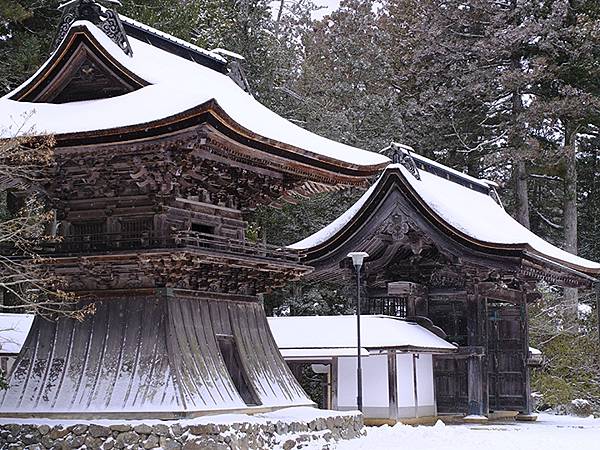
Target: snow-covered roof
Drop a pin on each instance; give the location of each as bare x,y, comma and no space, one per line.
14,329
468,211
143,26
176,85
335,333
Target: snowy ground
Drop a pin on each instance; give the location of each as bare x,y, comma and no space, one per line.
548,433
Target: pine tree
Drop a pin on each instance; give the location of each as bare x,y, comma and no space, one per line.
343,91
27,29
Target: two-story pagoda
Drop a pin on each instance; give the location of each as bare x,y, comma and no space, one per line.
160,153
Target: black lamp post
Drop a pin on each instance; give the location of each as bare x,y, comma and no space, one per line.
357,261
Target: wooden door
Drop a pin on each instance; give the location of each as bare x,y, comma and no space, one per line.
505,357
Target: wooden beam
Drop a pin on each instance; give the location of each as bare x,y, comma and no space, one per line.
498,292
403,288
392,365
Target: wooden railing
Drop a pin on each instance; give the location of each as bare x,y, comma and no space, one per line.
107,242
387,305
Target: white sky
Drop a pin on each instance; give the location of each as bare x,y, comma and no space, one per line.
329,5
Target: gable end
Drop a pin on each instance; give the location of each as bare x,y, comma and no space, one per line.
79,70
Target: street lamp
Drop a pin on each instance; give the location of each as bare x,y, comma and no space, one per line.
357,261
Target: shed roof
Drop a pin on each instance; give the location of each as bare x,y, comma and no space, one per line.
335,333
14,329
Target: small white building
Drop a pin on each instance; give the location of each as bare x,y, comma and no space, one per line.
397,361
14,329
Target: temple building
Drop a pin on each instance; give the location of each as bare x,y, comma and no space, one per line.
445,253
160,154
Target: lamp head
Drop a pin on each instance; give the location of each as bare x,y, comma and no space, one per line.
357,258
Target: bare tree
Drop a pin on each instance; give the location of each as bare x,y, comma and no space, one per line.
27,279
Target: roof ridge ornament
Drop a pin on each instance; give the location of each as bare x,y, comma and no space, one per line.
401,154
106,19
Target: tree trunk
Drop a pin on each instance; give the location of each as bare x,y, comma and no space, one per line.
519,170
570,219
521,192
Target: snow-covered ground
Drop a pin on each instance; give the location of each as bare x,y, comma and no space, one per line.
548,433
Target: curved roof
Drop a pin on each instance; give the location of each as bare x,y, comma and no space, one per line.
175,86
463,210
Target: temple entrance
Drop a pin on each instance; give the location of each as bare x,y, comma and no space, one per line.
233,363
506,366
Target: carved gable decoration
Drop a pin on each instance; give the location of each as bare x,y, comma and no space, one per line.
399,228
105,19
447,277
79,70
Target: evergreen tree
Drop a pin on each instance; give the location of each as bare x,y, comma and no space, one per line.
27,29
344,91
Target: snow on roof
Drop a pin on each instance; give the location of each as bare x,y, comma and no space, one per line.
143,26
339,332
225,52
471,212
480,217
14,329
177,86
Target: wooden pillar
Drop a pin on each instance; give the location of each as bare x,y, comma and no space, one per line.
392,365
415,383
476,340
334,383
527,413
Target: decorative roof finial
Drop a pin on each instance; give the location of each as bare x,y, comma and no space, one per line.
401,154
104,18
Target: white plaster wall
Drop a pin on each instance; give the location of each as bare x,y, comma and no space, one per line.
425,390
346,382
405,380
375,381
425,380
375,385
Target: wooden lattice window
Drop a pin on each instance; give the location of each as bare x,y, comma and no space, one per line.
387,305
202,228
136,232
88,235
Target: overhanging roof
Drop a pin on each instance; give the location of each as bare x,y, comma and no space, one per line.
173,93
463,208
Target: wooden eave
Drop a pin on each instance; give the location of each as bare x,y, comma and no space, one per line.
50,80
312,165
394,179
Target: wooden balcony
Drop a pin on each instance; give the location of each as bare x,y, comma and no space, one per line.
190,240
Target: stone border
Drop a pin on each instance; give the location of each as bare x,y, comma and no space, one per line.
252,435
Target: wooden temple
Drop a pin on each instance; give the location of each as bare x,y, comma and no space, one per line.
160,155
444,252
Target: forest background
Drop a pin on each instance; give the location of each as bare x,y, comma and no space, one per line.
507,90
